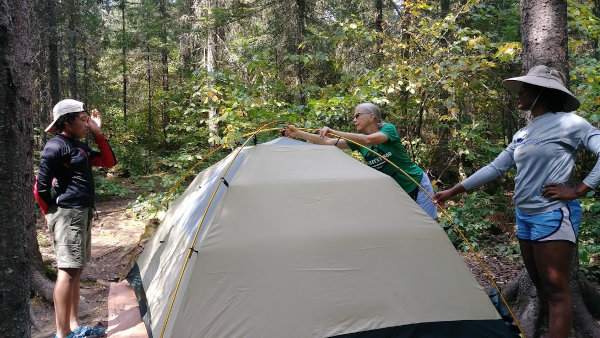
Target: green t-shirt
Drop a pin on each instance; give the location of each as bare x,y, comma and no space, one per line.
394,151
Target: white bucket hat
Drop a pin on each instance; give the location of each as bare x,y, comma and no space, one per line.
544,76
64,107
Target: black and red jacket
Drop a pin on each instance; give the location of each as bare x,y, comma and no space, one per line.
66,167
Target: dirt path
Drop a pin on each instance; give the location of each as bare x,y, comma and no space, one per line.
113,236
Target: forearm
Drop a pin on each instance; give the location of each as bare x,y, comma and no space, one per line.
358,138
582,189
456,190
41,189
314,138
107,156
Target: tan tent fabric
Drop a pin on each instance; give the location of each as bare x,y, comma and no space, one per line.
305,242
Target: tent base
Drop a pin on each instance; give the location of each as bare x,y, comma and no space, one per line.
124,318
459,328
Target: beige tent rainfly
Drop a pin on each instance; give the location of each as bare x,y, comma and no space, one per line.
301,240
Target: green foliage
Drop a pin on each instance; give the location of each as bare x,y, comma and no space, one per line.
107,188
589,232
146,204
437,78
472,218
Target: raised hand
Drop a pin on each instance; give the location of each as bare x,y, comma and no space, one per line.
94,122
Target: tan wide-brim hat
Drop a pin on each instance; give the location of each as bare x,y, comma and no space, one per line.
64,107
543,76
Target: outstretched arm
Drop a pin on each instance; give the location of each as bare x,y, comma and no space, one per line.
367,140
293,131
442,196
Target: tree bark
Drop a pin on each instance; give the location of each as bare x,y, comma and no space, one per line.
150,120
86,97
379,30
16,167
596,41
72,48
52,53
301,33
544,36
164,60
444,7
186,40
211,67
39,283
544,39
124,64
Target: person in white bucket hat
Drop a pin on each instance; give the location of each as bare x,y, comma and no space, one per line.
64,190
548,212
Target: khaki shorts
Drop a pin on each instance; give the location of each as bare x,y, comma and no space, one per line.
71,235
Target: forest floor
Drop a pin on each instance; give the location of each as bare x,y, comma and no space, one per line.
116,232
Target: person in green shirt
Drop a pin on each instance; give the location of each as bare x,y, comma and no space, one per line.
383,139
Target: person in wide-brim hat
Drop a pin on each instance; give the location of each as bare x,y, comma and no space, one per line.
546,78
548,212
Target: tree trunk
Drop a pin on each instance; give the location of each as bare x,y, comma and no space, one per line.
596,41
301,33
124,65
149,93
211,67
186,40
444,7
39,283
379,30
544,39
53,53
72,48
396,7
164,52
544,36
16,167
86,97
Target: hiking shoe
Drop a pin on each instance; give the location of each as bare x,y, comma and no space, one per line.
87,331
71,335
77,330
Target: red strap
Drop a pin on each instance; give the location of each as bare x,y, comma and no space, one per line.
107,158
38,198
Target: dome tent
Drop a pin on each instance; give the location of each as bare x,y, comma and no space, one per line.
301,240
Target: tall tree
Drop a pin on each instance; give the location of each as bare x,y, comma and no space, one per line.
124,64
40,284
211,66
72,8
52,52
545,42
164,60
149,73
544,34
379,30
16,167
298,46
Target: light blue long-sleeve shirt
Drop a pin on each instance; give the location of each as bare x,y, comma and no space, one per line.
543,152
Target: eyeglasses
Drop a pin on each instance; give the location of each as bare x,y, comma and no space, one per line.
357,115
